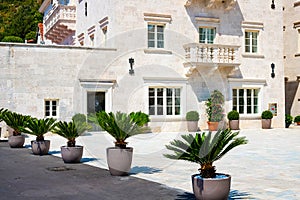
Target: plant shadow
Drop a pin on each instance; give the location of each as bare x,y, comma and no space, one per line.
144,170
234,194
54,152
85,160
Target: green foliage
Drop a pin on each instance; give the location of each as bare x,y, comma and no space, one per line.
192,116
288,119
233,115
15,39
31,35
266,114
19,17
120,126
39,127
80,121
2,111
205,149
214,106
297,119
16,121
140,118
68,131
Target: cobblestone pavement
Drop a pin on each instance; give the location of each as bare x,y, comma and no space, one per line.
268,167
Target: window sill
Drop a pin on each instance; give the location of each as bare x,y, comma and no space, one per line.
252,55
157,51
162,118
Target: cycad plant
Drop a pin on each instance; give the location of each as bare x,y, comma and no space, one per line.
2,112
121,125
205,149
39,127
16,121
67,130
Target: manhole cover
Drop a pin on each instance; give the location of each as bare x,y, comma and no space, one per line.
58,169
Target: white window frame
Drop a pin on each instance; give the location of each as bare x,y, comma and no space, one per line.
251,45
51,108
156,35
245,106
206,28
164,97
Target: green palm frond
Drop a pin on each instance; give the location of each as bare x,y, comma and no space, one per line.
2,112
39,127
120,125
15,120
204,148
67,130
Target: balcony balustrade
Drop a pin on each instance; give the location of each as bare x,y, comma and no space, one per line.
60,23
198,54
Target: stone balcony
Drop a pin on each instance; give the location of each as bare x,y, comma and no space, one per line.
211,55
226,4
60,23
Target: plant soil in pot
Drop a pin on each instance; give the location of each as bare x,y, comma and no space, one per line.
119,160
204,149
217,188
121,126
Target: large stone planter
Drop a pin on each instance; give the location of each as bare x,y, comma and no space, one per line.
40,147
211,188
16,141
213,126
119,160
234,124
192,126
266,123
71,154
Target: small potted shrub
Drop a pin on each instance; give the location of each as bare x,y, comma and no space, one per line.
71,153
121,126
192,118
17,122
233,117
266,119
288,120
204,149
297,120
214,110
39,127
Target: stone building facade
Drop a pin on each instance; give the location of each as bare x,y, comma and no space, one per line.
179,51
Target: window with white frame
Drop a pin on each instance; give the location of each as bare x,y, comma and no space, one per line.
164,101
251,41
207,35
156,36
51,108
246,100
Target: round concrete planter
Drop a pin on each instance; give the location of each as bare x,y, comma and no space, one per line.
16,141
211,188
40,147
234,124
119,160
213,126
71,154
192,126
266,123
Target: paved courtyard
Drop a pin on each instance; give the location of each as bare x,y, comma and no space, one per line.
268,167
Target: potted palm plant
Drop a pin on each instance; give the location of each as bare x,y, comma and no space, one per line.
204,149
266,119
234,122
39,127
297,120
121,126
17,122
192,118
214,110
71,153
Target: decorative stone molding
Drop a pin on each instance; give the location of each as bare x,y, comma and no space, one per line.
207,20
157,18
103,23
297,25
252,25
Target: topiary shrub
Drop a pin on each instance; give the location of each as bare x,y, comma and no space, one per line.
266,114
297,119
233,115
15,39
288,120
192,116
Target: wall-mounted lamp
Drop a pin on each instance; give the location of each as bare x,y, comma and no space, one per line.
131,62
273,5
273,73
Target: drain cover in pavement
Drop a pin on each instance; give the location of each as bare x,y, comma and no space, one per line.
58,169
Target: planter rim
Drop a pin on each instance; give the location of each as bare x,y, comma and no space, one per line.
227,176
76,146
39,141
119,148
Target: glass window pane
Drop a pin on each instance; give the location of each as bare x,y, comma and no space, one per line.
160,110
160,44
